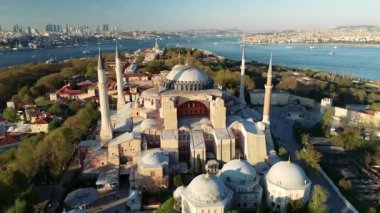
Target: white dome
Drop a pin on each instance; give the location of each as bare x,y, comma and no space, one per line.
237,170
187,73
287,175
153,158
187,78
208,189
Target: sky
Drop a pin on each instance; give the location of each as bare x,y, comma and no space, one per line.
176,15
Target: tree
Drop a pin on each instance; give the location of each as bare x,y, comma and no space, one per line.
305,139
296,206
327,117
344,184
167,206
55,109
25,161
177,181
318,199
10,114
310,156
282,152
74,106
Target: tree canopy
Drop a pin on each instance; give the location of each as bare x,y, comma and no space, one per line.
318,199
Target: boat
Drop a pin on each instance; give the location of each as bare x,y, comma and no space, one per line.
51,61
289,47
216,43
312,47
85,51
335,47
332,53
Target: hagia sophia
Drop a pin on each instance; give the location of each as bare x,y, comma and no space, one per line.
185,122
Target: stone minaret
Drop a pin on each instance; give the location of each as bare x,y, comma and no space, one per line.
268,93
105,129
119,81
242,74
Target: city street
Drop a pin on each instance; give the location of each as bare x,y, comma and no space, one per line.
282,130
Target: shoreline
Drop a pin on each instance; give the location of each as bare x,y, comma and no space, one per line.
228,51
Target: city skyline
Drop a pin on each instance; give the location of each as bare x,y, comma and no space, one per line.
251,16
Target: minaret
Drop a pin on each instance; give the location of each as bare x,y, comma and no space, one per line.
242,74
119,80
105,128
268,93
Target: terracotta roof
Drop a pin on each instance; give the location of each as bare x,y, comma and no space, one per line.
135,75
7,139
85,83
42,120
66,90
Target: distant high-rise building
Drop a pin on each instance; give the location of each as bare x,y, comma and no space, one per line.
16,28
53,28
29,31
0,27
105,28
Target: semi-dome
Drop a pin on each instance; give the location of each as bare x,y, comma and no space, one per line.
238,171
150,123
151,93
287,175
153,158
187,78
209,189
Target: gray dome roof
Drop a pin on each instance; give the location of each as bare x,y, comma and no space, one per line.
236,171
287,175
208,189
184,77
151,93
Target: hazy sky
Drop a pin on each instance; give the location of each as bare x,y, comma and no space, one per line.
249,15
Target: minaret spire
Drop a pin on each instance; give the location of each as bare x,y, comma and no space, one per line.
105,129
119,80
187,58
268,93
242,73
179,57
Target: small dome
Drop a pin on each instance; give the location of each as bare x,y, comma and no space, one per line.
149,123
236,171
288,175
151,93
178,192
208,189
153,158
187,78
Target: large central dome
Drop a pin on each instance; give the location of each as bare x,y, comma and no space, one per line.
187,78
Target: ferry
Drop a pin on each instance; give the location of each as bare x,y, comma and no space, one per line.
51,61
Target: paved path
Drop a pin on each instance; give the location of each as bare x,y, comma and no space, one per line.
282,129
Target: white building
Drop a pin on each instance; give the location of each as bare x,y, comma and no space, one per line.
286,181
205,193
242,178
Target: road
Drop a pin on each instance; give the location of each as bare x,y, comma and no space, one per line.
282,129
